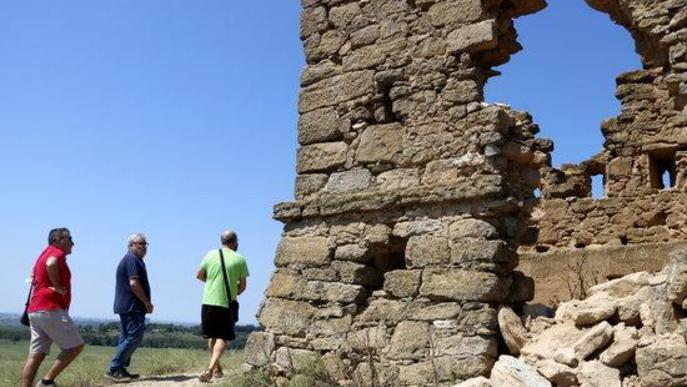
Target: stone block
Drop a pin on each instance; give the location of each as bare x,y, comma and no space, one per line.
446,368
387,310
455,12
319,71
462,92
456,284
417,227
331,327
311,251
286,316
471,250
623,347
410,340
353,180
340,88
440,311
560,374
334,291
465,346
474,37
355,273
313,20
593,339
353,253
478,318
472,228
663,363
309,184
320,274
512,372
513,332
402,283
397,179
342,15
373,338
259,347
365,36
594,373
594,309
427,250
321,157
320,125
380,144
294,359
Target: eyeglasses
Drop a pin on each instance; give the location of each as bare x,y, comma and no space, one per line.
140,243
69,238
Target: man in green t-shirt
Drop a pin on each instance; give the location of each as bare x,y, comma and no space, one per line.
219,314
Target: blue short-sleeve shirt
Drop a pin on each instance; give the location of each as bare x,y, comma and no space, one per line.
129,267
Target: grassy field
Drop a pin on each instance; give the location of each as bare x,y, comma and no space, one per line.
87,370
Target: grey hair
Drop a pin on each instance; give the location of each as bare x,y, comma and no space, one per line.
56,233
135,238
228,237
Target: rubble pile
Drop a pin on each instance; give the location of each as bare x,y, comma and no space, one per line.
631,332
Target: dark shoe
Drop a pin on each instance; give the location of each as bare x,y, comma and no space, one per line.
206,376
117,376
217,372
131,376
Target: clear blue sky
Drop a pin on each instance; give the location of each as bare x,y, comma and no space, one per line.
178,119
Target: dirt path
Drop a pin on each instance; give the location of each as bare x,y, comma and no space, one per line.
184,380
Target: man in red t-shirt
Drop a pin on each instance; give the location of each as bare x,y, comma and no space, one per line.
48,311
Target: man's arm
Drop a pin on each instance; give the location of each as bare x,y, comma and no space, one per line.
138,291
242,285
201,275
54,275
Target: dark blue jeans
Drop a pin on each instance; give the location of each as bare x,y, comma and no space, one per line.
133,326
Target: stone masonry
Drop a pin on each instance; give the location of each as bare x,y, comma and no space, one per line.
414,198
643,214
410,195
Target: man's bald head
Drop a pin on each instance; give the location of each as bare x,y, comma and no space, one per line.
229,239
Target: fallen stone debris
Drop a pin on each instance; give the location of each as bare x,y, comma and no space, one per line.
631,332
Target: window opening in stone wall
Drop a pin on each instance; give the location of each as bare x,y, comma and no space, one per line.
598,186
662,171
550,77
388,257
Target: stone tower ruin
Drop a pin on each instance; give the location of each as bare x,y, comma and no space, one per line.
413,195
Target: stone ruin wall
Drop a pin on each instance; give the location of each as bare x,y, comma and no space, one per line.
410,195
413,195
639,220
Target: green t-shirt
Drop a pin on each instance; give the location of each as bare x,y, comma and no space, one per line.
215,293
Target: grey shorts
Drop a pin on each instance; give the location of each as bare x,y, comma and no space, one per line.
53,326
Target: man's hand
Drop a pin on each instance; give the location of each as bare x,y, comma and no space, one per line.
58,290
149,307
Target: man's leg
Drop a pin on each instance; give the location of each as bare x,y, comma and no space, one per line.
217,351
132,333
63,359
28,373
136,334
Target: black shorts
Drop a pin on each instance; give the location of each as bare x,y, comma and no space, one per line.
217,322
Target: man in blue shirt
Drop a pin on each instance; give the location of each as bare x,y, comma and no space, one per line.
132,302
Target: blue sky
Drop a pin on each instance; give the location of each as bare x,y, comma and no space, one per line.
178,119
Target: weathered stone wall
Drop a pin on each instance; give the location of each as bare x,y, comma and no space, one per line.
642,163
413,195
410,195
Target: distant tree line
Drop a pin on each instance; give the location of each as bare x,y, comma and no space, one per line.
157,335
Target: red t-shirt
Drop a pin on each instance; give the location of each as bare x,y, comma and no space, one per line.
42,297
